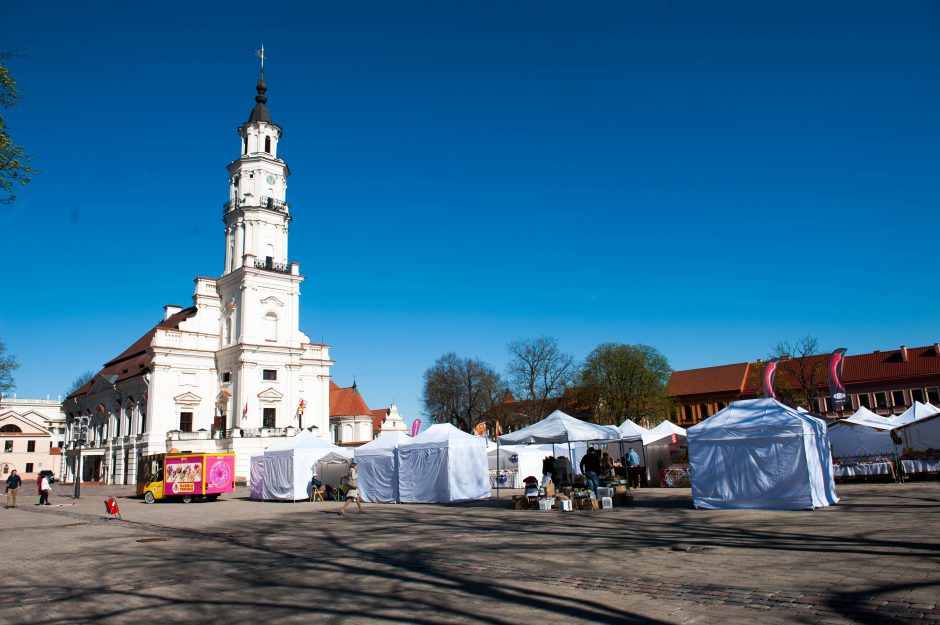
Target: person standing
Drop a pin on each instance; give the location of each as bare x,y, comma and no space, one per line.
352,480
591,465
631,460
13,484
44,489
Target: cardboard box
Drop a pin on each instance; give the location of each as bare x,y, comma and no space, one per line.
550,489
520,502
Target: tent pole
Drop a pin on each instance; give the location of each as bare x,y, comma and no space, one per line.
497,470
571,460
646,462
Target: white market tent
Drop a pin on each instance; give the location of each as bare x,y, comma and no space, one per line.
377,465
283,472
629,429
559,428
863,434
664,430
759,453
916,412
443,465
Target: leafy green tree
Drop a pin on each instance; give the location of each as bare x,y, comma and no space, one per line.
8,365
14,162
629,381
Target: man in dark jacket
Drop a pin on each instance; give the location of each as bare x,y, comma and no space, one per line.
13,484
591,466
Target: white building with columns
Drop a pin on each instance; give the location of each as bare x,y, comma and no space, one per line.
231,372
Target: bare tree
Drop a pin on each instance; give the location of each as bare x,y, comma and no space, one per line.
539,370
630,381
8,365
460,390
801,372
79,382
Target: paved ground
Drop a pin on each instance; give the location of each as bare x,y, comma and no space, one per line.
874,558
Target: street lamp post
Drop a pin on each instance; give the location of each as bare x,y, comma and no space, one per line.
82,430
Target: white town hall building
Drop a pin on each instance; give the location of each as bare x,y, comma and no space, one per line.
233,371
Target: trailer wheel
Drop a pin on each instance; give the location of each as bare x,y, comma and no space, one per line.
148,497
187,498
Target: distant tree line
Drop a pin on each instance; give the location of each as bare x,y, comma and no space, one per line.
615,382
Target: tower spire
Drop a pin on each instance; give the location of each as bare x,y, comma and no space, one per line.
260,112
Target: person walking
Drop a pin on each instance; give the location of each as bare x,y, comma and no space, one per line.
352,480
44,490
591,465
13,484
631,460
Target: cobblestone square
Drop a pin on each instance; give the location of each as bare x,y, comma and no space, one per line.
873,558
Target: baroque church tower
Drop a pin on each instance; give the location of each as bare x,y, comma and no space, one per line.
272,376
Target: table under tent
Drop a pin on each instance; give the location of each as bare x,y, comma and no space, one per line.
564,431
377,465
760,453
284,472
509,465
443,465
862,446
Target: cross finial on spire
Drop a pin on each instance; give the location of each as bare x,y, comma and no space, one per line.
260,55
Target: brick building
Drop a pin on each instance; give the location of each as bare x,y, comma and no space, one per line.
886,382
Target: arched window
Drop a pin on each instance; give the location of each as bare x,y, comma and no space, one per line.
267,144
270,326
10,428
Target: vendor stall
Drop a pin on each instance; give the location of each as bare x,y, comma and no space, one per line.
377,465
760,453
283,472
443,465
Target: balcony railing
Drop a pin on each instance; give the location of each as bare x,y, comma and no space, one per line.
266,202
269,265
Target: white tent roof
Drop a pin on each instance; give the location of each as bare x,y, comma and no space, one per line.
850,440
631,429
664,430
559,427
385,443
915,413
753,418
442,434
864,416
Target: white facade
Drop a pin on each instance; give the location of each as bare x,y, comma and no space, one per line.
230,372
32,431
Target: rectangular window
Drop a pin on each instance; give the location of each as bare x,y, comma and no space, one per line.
898,398
226,376
30,446
848,403
864,400
29,467
703,410
8,446
917,394
269,374
829,405
186,422
270,417
821,405
687,412
881,400
933,395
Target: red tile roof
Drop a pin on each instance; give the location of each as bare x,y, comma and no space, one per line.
345,402
858,370
135,359
720,379
378,417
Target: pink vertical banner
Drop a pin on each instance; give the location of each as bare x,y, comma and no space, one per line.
415,426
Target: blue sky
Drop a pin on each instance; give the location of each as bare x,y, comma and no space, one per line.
706,178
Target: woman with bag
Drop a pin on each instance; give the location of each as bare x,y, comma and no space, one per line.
352,480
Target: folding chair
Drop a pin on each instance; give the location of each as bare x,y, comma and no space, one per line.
316,494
